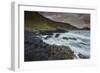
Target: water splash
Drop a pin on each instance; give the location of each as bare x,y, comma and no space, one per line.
78,41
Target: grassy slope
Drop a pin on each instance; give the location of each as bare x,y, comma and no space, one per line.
35,21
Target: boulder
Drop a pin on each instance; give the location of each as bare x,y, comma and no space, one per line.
60,53
57,35
83,56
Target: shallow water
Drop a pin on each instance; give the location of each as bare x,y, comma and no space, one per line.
78,41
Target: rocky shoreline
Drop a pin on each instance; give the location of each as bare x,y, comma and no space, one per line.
37,50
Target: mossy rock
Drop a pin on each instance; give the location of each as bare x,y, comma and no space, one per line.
60,52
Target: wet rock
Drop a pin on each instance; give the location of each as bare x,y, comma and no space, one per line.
46,32
60,53
83,56
61,30
35,48
72,38
65,38
49,36
50,32
57,35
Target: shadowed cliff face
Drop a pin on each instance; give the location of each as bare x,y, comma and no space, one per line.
75,19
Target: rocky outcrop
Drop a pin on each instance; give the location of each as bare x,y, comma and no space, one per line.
37,50
60,52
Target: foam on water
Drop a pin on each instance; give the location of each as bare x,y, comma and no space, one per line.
80,43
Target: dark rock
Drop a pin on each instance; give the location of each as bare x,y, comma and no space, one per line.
83,56
61,30
49,36
46,32
50,32
60,53
57,35
72,38
36,50
65,38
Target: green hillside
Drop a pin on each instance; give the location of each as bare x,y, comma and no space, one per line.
35,21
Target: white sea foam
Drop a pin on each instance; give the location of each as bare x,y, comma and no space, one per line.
80,43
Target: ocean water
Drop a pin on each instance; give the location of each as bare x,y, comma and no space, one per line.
78,41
